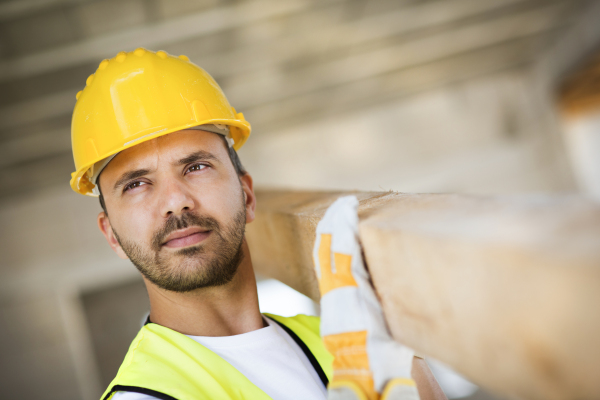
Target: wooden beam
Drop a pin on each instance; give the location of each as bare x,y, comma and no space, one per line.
503,289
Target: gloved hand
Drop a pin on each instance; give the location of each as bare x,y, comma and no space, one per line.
369,364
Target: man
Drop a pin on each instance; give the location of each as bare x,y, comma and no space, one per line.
155,138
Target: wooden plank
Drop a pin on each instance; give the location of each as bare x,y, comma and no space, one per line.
503,289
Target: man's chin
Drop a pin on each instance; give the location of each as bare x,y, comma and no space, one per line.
187,277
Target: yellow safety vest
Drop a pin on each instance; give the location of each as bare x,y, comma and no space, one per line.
171,366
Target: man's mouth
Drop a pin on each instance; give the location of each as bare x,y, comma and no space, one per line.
186,237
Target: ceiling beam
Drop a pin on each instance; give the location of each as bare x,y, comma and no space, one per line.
273,84
17,8
260,87
347,36
22,158
403,19
273,116
152,36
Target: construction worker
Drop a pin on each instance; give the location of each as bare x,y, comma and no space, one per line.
155,139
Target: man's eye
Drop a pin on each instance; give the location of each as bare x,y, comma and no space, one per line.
133,185
196,167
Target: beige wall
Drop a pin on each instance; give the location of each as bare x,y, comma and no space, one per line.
482,136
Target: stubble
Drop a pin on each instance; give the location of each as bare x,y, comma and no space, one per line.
214,263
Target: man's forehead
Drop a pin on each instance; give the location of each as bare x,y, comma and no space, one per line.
170,147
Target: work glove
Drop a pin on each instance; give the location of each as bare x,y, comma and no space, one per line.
368,364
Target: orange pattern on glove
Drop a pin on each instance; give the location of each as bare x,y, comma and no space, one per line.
351,361
342,276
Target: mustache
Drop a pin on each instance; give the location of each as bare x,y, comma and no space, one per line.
186,220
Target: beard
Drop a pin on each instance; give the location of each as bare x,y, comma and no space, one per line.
192,267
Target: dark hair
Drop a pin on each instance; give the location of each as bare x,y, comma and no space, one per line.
233,156
235,159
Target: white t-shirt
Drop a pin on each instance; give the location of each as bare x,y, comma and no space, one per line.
268,357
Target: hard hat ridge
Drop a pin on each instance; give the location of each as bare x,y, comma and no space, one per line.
138,96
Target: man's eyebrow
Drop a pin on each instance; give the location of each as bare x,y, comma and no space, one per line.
197,156
127,176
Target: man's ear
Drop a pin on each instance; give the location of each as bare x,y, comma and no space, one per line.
248,188
106,229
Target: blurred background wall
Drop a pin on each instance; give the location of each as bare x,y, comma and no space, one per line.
406,95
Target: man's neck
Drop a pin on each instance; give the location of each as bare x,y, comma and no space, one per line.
226,310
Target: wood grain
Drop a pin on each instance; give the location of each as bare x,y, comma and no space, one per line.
504,289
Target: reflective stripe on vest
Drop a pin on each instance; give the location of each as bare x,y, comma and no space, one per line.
171,366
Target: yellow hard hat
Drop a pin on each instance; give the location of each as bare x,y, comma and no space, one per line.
138,96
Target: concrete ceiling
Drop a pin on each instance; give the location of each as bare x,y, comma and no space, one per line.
280,62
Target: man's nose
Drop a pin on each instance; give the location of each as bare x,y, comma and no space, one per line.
176,198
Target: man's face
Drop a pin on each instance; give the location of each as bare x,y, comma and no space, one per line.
177,209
